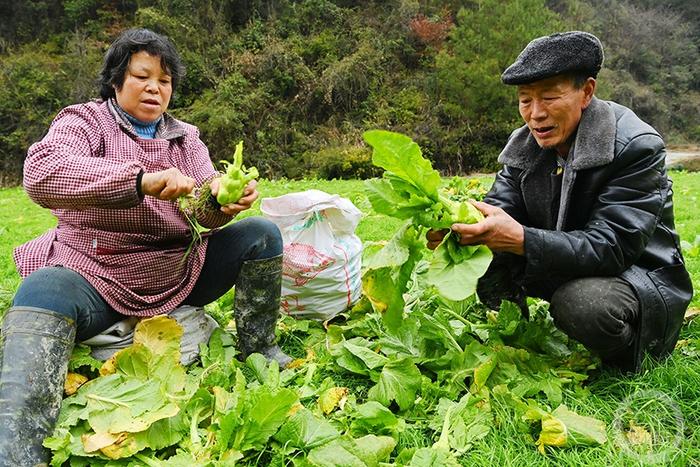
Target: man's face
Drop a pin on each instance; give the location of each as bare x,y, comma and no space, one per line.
552,109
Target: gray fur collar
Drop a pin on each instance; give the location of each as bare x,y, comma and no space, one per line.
594,145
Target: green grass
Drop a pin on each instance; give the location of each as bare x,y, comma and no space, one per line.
674,383
20,220
686,187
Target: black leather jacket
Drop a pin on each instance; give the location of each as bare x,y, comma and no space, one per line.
614,216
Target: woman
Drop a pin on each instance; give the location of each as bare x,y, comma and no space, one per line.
111,171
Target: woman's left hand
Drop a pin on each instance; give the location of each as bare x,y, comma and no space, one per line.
250,194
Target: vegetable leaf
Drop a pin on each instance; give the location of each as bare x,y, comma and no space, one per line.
410,188
564,428
397,153
457,280
399,381
305,431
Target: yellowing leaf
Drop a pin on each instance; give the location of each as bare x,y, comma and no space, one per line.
97,441
553,434
123,447
310,356
296,363
691,313
385,295
370,283
73,383
483,371
109,367
160,334
333,398
295,408
564,428
638,435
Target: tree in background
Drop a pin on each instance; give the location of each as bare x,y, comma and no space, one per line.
487,37
300,80
651,60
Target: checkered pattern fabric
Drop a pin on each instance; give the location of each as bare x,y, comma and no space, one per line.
129,248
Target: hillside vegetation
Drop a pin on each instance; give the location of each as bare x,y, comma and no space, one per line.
300,80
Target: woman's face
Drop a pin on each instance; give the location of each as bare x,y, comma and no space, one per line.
147,88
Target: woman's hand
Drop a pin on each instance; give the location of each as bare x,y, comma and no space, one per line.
250,194
498,231
167,184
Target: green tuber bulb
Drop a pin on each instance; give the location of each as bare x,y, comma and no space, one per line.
447,212
232,184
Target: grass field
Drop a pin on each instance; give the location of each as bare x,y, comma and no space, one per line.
668,392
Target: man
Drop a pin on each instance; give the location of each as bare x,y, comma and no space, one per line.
581,213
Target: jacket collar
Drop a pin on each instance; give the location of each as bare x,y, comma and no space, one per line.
169,127
594,144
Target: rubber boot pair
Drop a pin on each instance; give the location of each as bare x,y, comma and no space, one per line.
256,308
35,346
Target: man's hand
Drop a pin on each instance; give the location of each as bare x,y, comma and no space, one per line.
435,237
498,231
250,194
167,184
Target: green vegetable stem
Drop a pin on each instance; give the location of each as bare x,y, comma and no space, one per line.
233,182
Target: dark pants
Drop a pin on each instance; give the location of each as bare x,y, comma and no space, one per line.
599,312
66,292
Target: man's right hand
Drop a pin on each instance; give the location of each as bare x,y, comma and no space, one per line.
435,237
167,184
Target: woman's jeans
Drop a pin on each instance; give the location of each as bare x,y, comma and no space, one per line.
66,292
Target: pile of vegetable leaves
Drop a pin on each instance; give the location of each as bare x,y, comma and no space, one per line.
408,358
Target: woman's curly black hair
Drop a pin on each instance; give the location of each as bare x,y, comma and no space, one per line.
132,41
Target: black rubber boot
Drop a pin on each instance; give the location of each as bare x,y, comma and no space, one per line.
256,308
35,346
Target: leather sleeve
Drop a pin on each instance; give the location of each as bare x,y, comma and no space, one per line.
506,194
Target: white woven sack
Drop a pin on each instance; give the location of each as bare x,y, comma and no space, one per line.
322,255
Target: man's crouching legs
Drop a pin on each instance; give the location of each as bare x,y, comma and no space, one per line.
601,313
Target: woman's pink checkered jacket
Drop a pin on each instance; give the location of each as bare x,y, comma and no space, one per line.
129,248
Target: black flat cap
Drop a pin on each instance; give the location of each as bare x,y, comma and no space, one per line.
547,56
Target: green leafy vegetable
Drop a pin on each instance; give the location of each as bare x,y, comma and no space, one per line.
462,423
367,451
234,181
231,187
81,357
125,410
373,418
408,365
433,457
388,268
411,189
